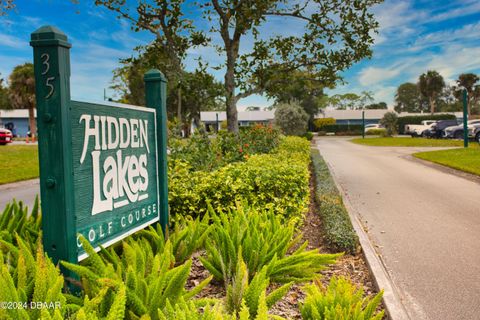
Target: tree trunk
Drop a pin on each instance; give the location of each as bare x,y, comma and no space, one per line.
32,122
432,105
231,99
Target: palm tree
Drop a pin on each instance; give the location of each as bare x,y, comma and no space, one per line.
431,85
468,81
21,92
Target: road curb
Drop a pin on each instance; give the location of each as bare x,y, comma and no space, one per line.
391,296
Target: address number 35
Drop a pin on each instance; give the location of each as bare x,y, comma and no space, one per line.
49,80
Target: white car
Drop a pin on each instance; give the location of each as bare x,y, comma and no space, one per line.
372,126
416,130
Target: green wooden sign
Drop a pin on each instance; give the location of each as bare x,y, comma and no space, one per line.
103,171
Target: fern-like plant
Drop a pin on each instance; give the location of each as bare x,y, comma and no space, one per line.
187,236
264,239
340,300
150,279
251,295
34,279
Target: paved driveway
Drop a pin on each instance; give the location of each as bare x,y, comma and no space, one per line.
24,191
424,222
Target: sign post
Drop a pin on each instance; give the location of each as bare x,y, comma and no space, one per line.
103,170
156,97
363,124
51,57
465,118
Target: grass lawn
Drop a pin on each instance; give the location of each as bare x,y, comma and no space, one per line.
467,160
407,142
18,163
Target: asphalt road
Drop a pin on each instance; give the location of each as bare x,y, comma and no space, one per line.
24,191
424,222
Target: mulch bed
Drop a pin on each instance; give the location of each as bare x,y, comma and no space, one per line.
352,267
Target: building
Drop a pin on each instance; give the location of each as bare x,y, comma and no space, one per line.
16,121
245,118
342,117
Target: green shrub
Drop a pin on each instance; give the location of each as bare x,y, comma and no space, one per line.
375,132
402,121
262,239
340,300
187,236
321,122
338,128
338,228
291,118
150,278
277,180
308,136
389,121
190,311
244,295
15,219
204,153
33,278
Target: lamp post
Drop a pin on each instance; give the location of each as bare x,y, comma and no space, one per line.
465,118
363,124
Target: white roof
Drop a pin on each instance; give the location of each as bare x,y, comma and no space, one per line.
211,116
16,113
353,114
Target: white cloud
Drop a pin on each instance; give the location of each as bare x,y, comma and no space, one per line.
374,75
12,42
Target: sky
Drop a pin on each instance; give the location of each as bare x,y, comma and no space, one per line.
414,36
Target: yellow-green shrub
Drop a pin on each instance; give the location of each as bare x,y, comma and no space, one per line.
278,181
321,122
340,300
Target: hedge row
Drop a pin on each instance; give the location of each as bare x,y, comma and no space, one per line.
342,128
403,121
278,180
339,231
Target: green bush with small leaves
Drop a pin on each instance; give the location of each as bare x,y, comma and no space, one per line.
338,228
278,180
340,300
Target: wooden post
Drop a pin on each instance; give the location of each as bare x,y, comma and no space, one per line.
52,77
155,97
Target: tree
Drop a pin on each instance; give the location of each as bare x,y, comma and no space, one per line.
409,99
173,32
351,101
449,100
337,34
291,119
389,121
431,85
200,90
298,86
469,81
5,6
380,105
4,103
21,92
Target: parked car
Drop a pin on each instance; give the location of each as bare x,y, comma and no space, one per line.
437,129
372,126
6,136
416,130
456,132
474,131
